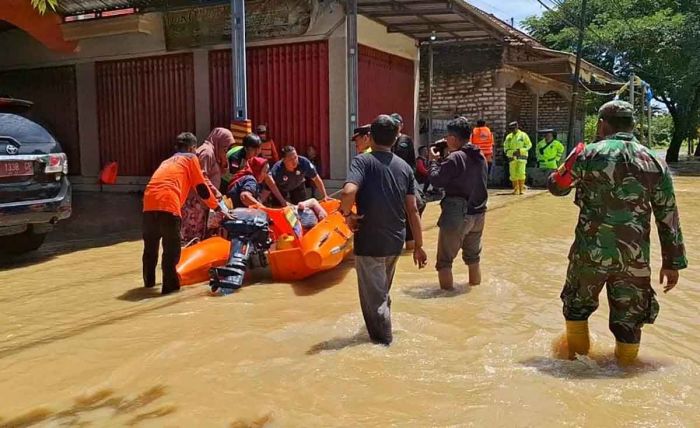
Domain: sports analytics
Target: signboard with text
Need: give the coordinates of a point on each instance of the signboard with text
(211, 25)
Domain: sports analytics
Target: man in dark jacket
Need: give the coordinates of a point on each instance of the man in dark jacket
(462, 175)
(403, 147)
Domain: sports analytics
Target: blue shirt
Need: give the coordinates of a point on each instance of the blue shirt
(288, 181)
(245, 184)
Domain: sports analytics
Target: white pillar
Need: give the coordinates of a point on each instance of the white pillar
(416, 101)
(338, 100)
(201, 94)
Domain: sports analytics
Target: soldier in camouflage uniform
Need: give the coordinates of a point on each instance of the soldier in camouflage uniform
(619, 183)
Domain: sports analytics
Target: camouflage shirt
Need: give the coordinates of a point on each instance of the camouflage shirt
(618, 184)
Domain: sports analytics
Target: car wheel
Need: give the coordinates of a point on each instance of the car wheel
(23, 243)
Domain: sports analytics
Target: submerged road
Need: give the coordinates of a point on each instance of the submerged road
(82, 344)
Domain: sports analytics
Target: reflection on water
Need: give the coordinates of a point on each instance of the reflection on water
(103, 401)
(79, 325)
(432, 292)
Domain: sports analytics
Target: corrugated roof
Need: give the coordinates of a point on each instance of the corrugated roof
(76, 7)
(458, 21)
(448, 19)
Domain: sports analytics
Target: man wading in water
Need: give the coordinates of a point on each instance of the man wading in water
(463, 175)
(382, 185)
(163, 199)
(618, 184)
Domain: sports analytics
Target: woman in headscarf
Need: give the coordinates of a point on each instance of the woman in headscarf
(244, 189)
(212, 158)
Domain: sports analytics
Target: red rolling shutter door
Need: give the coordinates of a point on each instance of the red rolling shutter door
(142, 104)
(287, 90)
(386, 85)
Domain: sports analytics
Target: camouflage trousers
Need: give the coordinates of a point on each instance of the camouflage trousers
(632, 300)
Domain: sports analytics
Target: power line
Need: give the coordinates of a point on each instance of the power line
(505, 14)
(601, 39)
(563, 18)
(604, 94)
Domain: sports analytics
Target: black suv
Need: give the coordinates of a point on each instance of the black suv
(34, 189)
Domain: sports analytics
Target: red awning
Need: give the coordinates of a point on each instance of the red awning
(44, 28)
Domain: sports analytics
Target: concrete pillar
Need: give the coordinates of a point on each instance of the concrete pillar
(201, 93)
(338, 100)
(90, 163)
(416, 101)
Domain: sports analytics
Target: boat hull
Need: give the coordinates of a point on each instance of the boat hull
(321, 248)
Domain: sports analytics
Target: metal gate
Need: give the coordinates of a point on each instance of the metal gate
(386, 85)
(53, 92)
(142, 104)
(287, 90)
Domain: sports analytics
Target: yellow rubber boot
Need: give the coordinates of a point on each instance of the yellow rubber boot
(577, 338)
(516, 187)
(522, 187)
(626, 353)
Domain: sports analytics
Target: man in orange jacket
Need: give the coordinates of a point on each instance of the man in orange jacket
(268, 148)
(483, 139)
(163, 198)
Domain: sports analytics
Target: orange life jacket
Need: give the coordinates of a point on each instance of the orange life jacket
(483, 138)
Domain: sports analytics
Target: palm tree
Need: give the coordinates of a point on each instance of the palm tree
(43, 5)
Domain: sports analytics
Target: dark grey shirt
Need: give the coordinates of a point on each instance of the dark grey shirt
(463, 174)
(384, 180)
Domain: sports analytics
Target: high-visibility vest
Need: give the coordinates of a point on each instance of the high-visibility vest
(549, 154)
(483, 138)
(226, 176)
(519, 142)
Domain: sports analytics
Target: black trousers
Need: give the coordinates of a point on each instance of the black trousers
(159, 225)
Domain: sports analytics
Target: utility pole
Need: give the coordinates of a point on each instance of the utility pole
(649, 116)
(241, 125)
(351, 35)
(577, 76)
(430, 93)
(642, 117)
(632, 77)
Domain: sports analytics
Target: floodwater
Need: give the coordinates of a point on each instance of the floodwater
(82, 345)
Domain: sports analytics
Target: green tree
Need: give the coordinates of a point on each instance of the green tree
(659, 40)
(43, 5)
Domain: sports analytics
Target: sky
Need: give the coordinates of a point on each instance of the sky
(506, 9)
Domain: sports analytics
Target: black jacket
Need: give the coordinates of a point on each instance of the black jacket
(404, 149)
(463, 174)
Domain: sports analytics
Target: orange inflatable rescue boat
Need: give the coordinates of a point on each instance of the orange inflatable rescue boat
(290, 252)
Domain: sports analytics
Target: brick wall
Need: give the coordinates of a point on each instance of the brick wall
(471, 95)
(554, 113)
(520, 106)
(464, 84)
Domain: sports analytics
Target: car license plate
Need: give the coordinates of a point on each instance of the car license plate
(16, 168)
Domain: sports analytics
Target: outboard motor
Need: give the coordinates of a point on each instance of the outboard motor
(249, 232)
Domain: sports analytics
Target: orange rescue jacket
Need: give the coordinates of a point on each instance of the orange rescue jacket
(268, 150)
(483, 138)
(172, 182)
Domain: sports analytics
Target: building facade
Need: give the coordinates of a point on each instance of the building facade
(136, 80)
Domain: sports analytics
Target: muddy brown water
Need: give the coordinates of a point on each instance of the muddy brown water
(81, 344)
